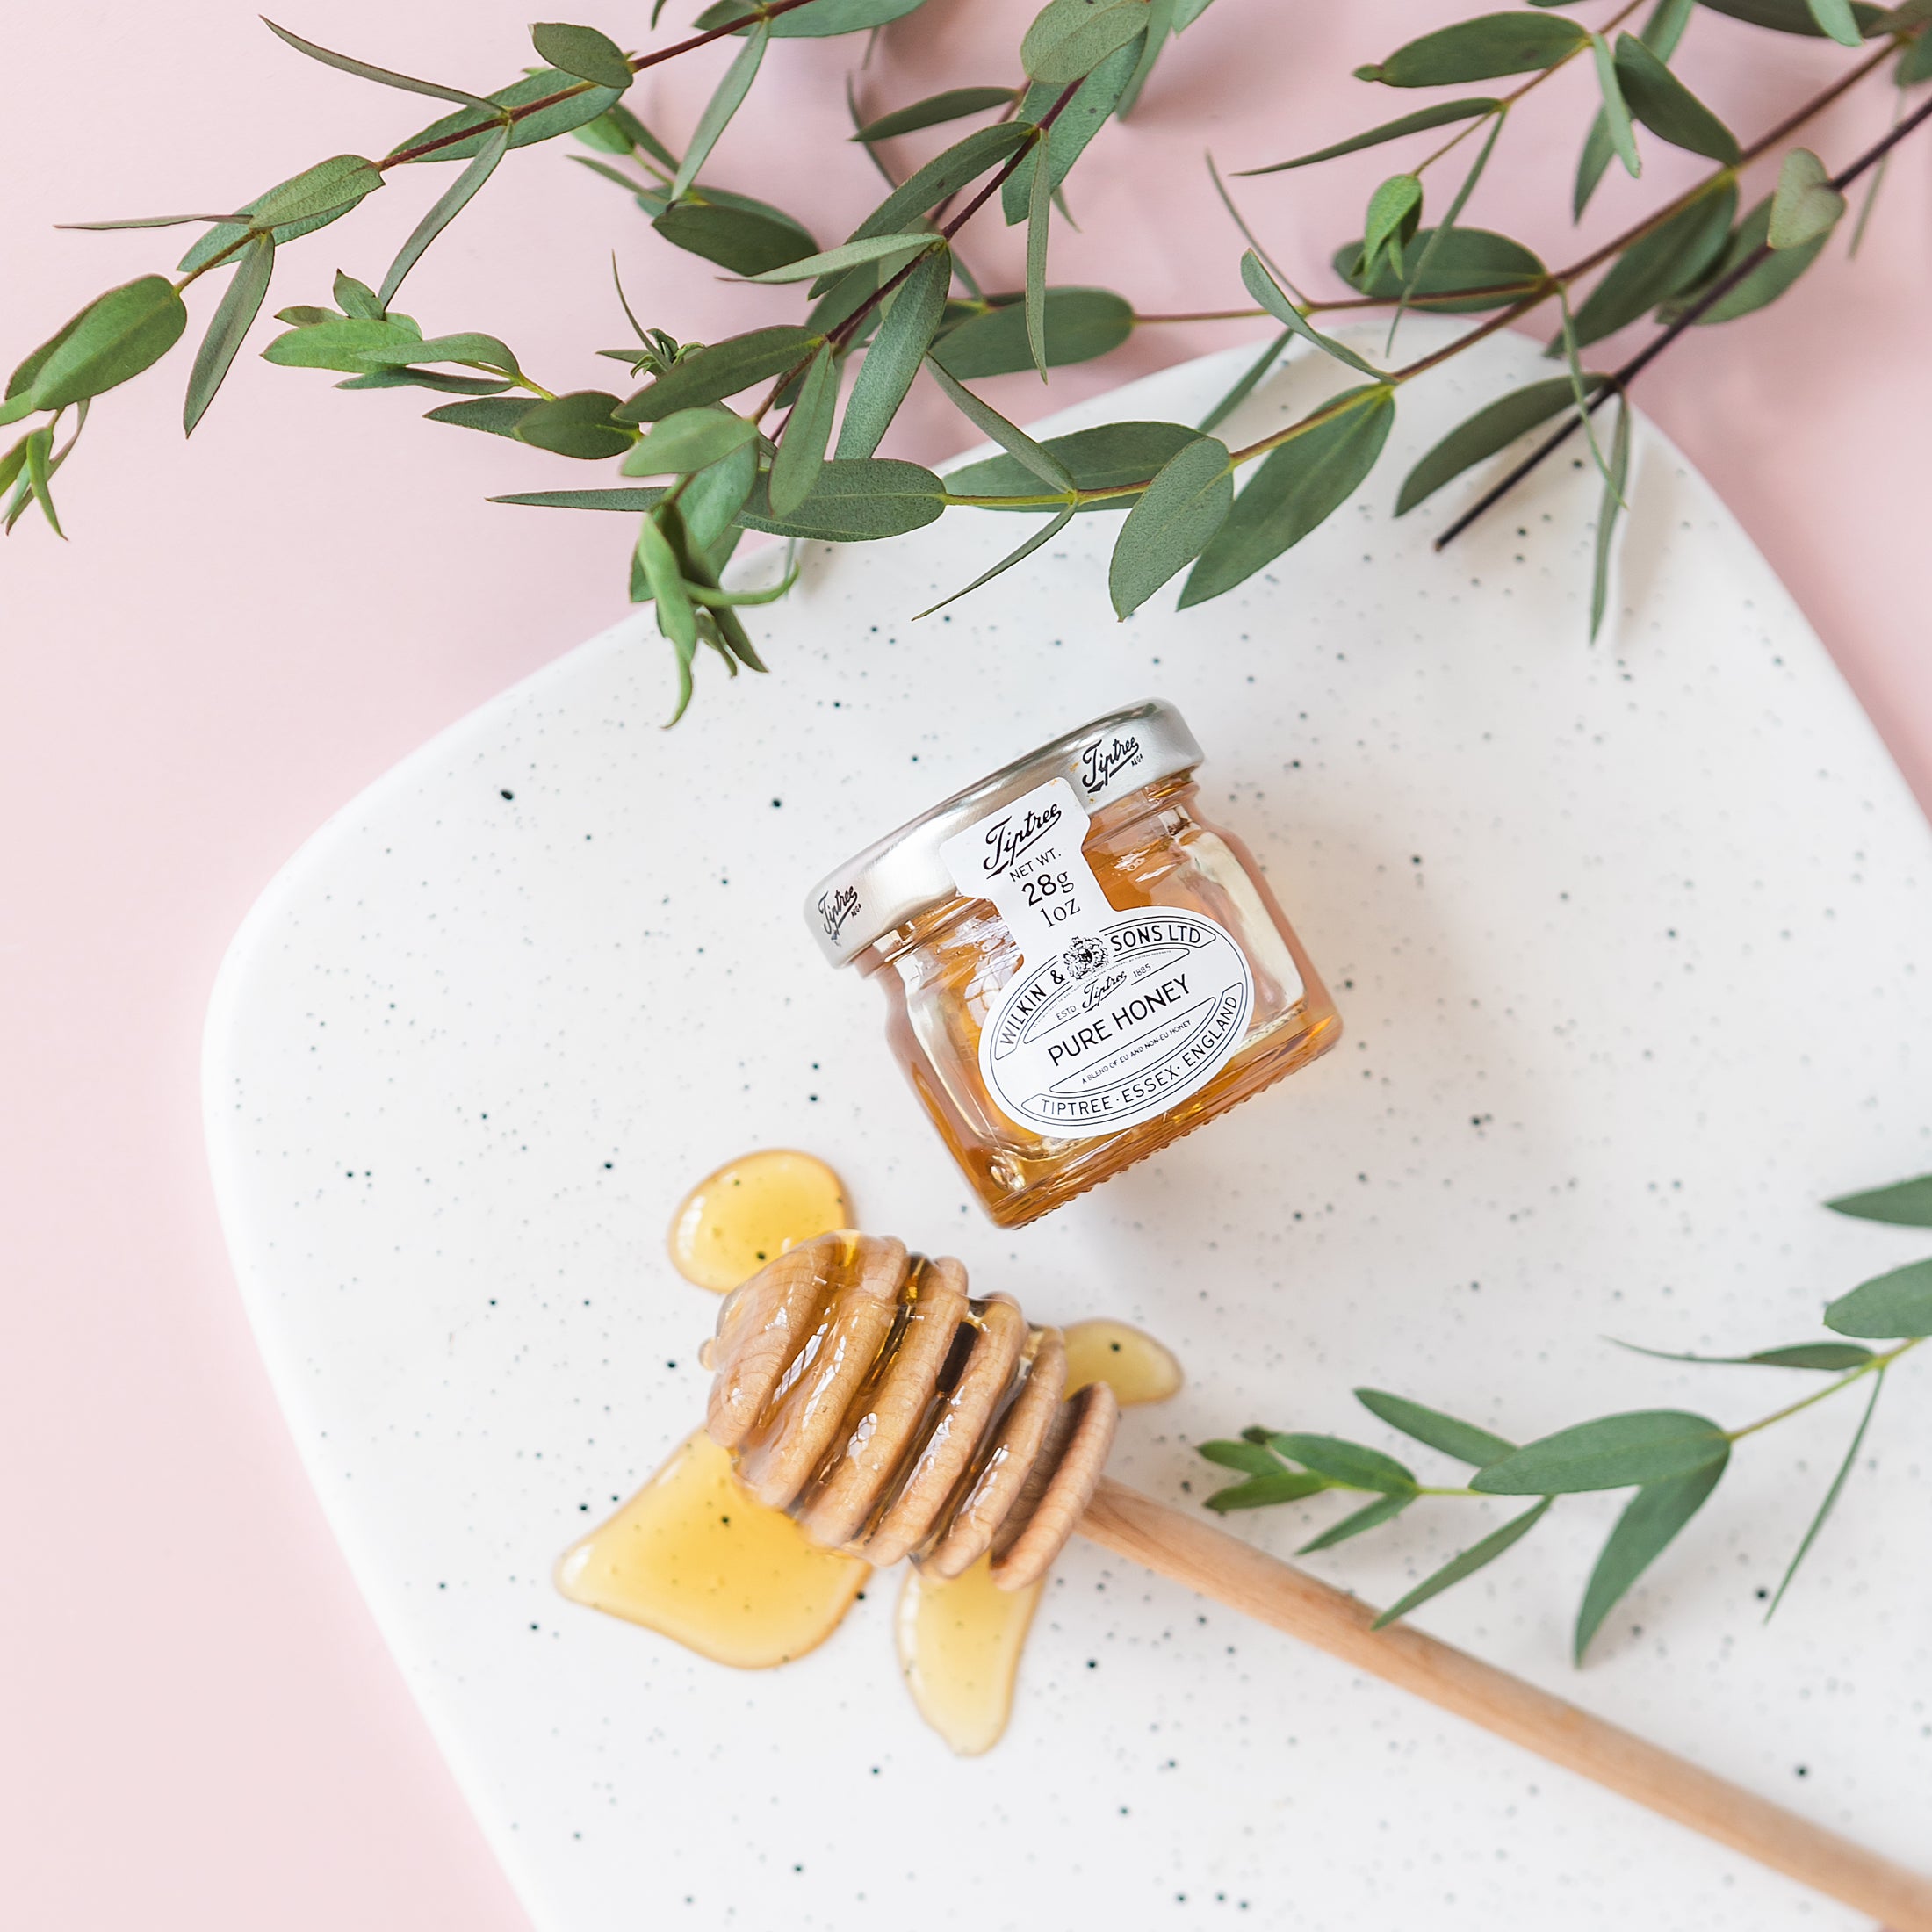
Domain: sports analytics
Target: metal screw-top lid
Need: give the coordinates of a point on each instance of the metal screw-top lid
(902, 875)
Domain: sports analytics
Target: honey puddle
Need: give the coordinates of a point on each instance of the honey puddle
(751, 1211)
(692, 1556)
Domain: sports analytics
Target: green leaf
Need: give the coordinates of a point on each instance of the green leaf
(1039, 221)
(1768, 280)
(1343, 1462)
(1590, 164)
(689, 440)
(1099, 95)
(330, 187)
(1831, 1495)
(1171, 522)
(1904, 1204)
(847, 255)
(582, 51)
(1246, 383)
(1888, 1308)
(1463, 1440)
(1045, 535)
(1789, 16)
(1608, 509)
(1669, 258)
(1068, 39)
(226, 233)
(712, 499)
(138, 221)
(1472, 1559)
(484, 350)
(112, 340)
(1916, 63)
(617, 131)
(449, 205)
(1369, 1517)
(945, 174)
(711, 374)
(808, 429)
(1105, 456)
(239, 303)
(1667, 107)
(40, 444)
(1835, 18)
(1079, 324)
(1820, 1355)
(820, 20)
(1298, 486)
(578, 106)
(358, 298)
(1806, 207)
(1160, 28)
(736, 232)
(1479, 50)
(1611, 1452)
(576, 425)
(1616, 112)
(1393, 209)
(1469, 259)
(1424, 117)
(1445, 230)
(1040, 461)
(342, 345)
(1492, 428)
(1273, 297)
(1250, 1457)
(1260, 1492)
(426, 378)
(385, 76)
(14, 460)
(725, 101)
(632, 501)
(855, 502)
(1651, 1519)
(499, 415)
(954, 104)
(905, 334)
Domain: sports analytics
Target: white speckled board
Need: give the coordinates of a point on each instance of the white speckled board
(1625, 940)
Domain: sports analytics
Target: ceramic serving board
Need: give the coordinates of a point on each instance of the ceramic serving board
(1625, 940)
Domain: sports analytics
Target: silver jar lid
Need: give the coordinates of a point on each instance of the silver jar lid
(902, 875)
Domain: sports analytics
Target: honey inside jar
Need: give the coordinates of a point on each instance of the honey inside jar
(1078, 967)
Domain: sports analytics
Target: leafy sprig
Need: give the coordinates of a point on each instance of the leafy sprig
(1671, 1459)
(894, 304)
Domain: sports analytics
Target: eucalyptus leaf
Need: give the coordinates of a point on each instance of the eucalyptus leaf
(1171, 522)
(1077, 323)
(1372, 1515)
(426, 378)
(893, 360)
(675, 616)
(712, 499)
(576, 425)
(1041, 461)
(358, 299)
(1667, 107)
(14, 460)
(1471, 1560)
(1669, 258)
(1789, 16)
(1611, 1452)
(1765, 283)
(343, 343)
(1480, 49)
(1904, 1204)
(857, 502)
(1017, 555)
(484, 349)
(448, 204)
(1297, 486)
(1888, 1308)
(1246, 383)
(736, 232)
(1393, 209)
(1340, 1461)
(330, 187)
(1835, 18)
(808, 429)
(687, 440)
(241, 303)
(1463, 1440)
(954, 104)
(385, 76)
(112, 340)
(632, 501)
(1105, 456)
(1099, 96)
(1250, 1457)
(1615, 110)
(711, 374)
(617, 131)
(945, 174)
(847, 255)
(1039, 220)
(1831, 1495)
(1440, 115)
(1806, 207)
(573, 104)
(1261, 1492)
(1650, 1520)
(726, 98)
(582, 51)
(1609, 508)
(822, 19)
(40, 444)
(1160, 29)
(497, 415)
(1469, 260)
(1493, 426)
(1815, 1355)
(1068, 39)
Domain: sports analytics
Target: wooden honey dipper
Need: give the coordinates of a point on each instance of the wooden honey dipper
(860, 1387)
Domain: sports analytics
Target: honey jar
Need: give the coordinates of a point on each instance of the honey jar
(1079, 966)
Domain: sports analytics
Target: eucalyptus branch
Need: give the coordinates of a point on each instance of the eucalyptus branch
(1672, 1460)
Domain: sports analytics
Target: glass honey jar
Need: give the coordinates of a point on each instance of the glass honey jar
(1079, 966)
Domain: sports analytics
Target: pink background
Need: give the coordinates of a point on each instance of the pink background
(200, 1727)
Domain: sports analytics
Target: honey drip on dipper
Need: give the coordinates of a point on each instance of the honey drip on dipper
(864, 1408)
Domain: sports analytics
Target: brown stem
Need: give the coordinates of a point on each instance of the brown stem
(1620, 380)
(766, 12)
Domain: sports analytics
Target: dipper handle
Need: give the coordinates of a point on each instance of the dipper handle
(1207, 1560)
